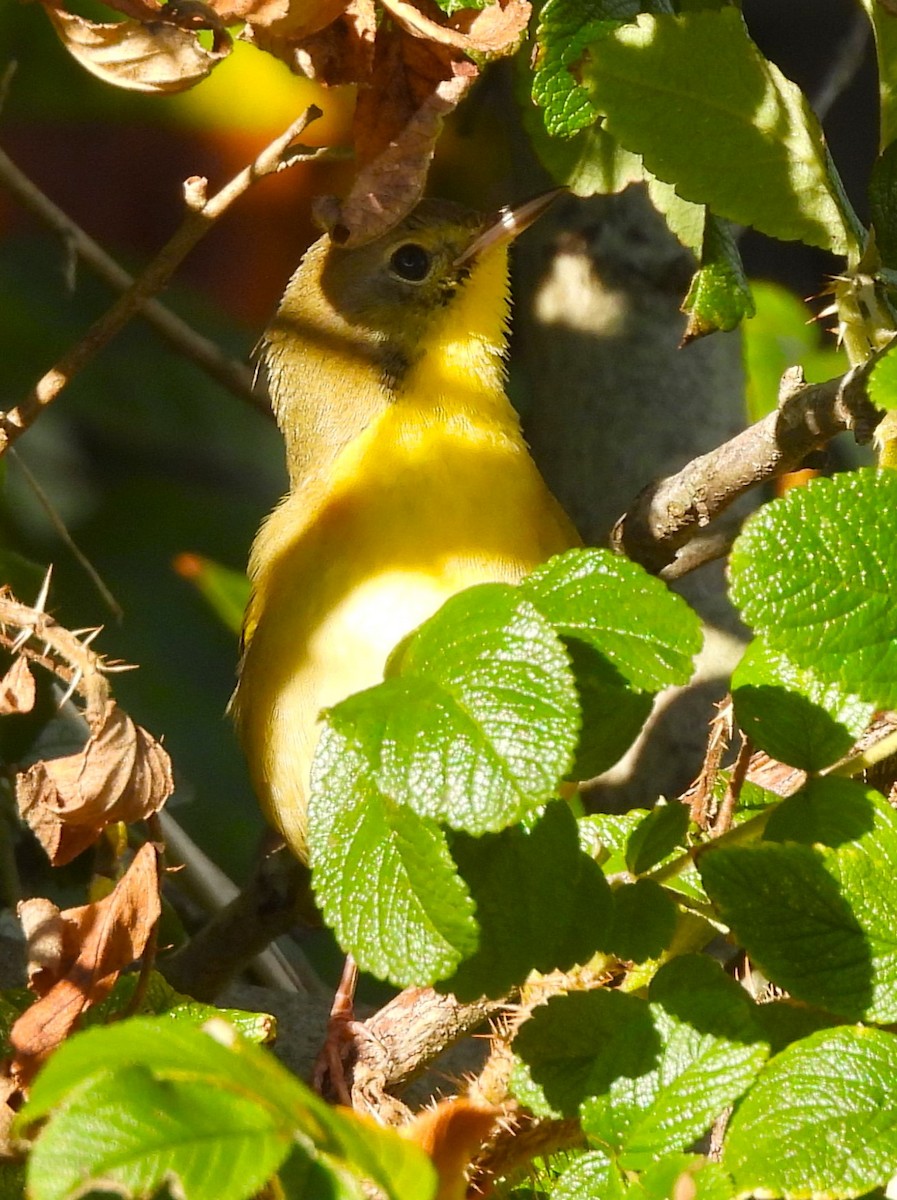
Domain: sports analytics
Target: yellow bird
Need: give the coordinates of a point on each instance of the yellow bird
(409, 476)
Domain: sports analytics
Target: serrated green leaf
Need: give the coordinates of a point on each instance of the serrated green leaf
(565, 29)
(612, 713)
(591, 163)
(604, 836)
(782, 334)
(480, 718)
(791, 713)
(183, 1131)
(678, 1174)
(593, 1176)
(885, 27)
(643, 922)
(707, 112)
(649, 1078)
(135, 1101)
(719, 296)
(710, 1052)
(785, 1021)
(819, 917)
(686, 221)
(538, 926)
(160, 997)
(830, 1100)
(614, 606)
(657, 835)
(574, 1046)
(815, 573)
(882, 385)
(383, 876)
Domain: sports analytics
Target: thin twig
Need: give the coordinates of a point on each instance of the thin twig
(66, 538)
(229, 372)
(670, 512)
(204, 212)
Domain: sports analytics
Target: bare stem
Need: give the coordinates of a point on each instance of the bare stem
(202, 214)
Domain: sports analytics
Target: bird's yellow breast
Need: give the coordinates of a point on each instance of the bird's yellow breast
(424, 503)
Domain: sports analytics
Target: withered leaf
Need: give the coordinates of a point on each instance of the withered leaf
(142, 56)
(398, 118)
(17, 689)
(340, 54)
(492, 31)
(121, 774)
(98, 941)
(285, 18)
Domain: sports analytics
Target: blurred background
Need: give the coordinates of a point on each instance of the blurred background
(146, 459)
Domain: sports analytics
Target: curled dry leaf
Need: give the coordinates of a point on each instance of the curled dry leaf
(97, 942)
(121, 774)
(398, 118)
(17, 689)
(343, 53)
(143, 56)
(492, 31)
(283, 18)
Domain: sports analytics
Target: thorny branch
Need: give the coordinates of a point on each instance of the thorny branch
(203, 213)
(671, 512)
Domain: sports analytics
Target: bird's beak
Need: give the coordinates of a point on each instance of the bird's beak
(508, 224)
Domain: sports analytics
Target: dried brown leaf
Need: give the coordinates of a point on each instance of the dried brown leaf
(44, 929)
(493, 31)
(121, 774)
(98, 941)
(340, 54)
(17, 690)
(285, 18)
(415, 84)
(144, 56)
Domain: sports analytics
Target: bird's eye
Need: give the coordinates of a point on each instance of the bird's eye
(411, 262)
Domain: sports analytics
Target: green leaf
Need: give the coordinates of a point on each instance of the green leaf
(565, 29)
(526, 921)
(644, 921)
(686, 221)
(882, 385)
(819, 917)
(791, 713)
(649, 1077)
(480, 718)
(657, 835)
(576, 1045)
(830, 1100)
(160, 997)
(710, 1052)
(132, 1132)
(627, 636)
(678, 1174)
(383, 876)
(616, 608)
(590, 163)
(815, 573)
(225, 591)
(134, 1103)
(605, 836)
(885, 25)
(719, 296)
(593, 1176)
(783, 334)
(708, 113)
